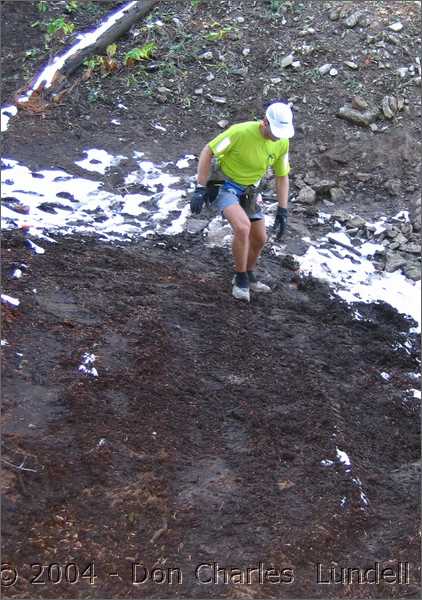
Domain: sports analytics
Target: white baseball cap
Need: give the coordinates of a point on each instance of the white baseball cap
(280, 118)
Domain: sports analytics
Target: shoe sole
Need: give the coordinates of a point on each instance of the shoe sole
(259, 290)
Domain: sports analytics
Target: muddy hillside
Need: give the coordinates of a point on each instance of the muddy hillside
(159, 438)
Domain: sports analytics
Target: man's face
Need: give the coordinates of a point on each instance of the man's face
(266, 129)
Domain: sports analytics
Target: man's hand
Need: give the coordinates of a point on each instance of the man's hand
(280, 223)
(198, 199)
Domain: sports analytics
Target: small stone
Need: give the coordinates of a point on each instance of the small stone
(207, 56)
(296, 64)
(359, 103)
(396, 26)
(351, 64)
(411, 248)
(335, 14)
(386, 108)
(246, 51)
(307, 195)
(364, 177)
(373, 127)
(323, 185)
(356, 221)
(353, 19)
(412, 271)
(210, 77)
(223, 123)
(275, 80)
(286, 61)
(325, 68)
(393, 186)
(403, 71)
(337, 194)
(196, 225)
(394, 262)
(199, 91)
(240, 19)
(289, 262)
(333, 72)
(217, 99)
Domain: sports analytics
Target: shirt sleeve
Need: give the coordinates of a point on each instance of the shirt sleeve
(281, 165)
(224, 142)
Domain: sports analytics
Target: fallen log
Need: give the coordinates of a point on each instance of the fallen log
(55, 74)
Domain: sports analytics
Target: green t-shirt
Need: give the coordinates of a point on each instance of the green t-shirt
(244, 155)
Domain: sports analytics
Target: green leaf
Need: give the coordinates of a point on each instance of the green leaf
(144, 53)
(111, 50)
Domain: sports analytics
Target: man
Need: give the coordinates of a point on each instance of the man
(244, 153)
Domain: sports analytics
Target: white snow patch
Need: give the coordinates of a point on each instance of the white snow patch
(6, 114)
(87, 365)
(9, 300)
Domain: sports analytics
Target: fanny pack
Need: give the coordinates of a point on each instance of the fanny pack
(247, 196)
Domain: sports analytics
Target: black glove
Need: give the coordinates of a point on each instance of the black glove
(198, 199)
(280, 223)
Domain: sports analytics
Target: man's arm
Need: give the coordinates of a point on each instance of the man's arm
(282, 190)
(204, 165)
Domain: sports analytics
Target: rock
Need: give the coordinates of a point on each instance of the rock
(335, 14)
(307, 195)
(223, 123)
(240, 71)
(394, 262)
(275, 80)
(406, 229)
(388, 107)
(196, 225)
(400, 239)
(356, 221)
(396, 26)
(391, 232)
(412, 270)
(323, 185)
(333, 72)
(364, 177)
(299, 183)
(393, 186)
(359, 103)
(403, 71)
(358, 117)
(353, 19)
(351, 64)
(216, 99)
(296, 64)
(373, 127)
(207, 56)
(199, 91)
(415, 215)
(246, 51)
(289, 262)
(286, 61)
(341, 215)
(325, 68)
(411, 248)
(210, 77)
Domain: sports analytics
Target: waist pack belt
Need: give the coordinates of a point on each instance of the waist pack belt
(247, 196)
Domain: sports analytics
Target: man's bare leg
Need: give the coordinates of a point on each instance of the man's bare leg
(241, 226)
(257, 239)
